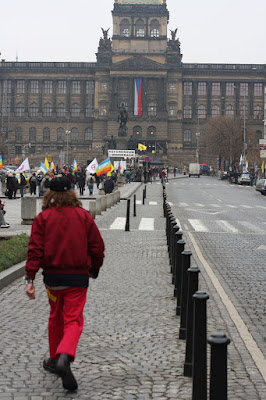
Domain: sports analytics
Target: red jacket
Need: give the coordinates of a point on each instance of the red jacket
(64, 241)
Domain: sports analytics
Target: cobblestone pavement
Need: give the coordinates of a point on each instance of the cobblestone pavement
(129, 348)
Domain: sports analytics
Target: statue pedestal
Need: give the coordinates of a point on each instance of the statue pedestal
(122, 132)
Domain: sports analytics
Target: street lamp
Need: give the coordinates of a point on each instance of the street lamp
(197, 149)
(67, 135)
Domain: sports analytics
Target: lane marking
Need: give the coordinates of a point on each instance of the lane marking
(119, 223)
(183, 204)
(216, 205)
(200, 205)
(198, 225)
(153, 203)
(250, 226)
(146, 224)
(227, 226)
(244, 333)
(138, 202)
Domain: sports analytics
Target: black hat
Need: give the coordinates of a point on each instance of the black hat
(60, 184)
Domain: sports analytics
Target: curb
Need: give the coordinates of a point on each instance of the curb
(11, 274)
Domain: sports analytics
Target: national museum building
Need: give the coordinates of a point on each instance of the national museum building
(72, 109)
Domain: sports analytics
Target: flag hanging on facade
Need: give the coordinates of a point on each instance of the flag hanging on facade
(43, 168)
(142, 147)
(91, 168)
(25, 166)
(1, 162)
(138, 96)
(104, 167)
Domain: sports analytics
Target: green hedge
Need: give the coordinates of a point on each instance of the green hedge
(13, 250)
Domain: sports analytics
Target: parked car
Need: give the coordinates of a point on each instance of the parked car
(204, 169)
(244, 179)
(261, 186)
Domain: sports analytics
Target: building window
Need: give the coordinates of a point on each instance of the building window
(62, 87)
(20, 87)
(202, 88)
(187, 136)
(140, 28)
(90, 87)
(74, 134)
(152, 109)
(48, 87)
(89, 111)
(18, 150)
(244, 111)
(75, 110)
(230, 89)
(18, 134)
(32, 135)
(20, 110)
(257, 89)
(7, 86)
(155, 28)
(103, 109)
(215, 110)
(172, 110)
(243, 89)
(46, 134)
(257, 112)
(46, 149)
(34, 87)
(76, 87)
(6, 108)
(172, 87)
(188, 88)
(137, 131)
(187, 112)
(151, 131)
(259, 135)
(60, 134)
(216, 89)
(61, 111)
(103, 87)
(33, 110)
(229, 110)
(125, 28)
(202, 111)
(88, 134)
(47, 110)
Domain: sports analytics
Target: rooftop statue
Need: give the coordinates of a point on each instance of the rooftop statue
(105, 33)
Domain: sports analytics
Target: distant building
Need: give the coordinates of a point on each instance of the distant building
(70, 110)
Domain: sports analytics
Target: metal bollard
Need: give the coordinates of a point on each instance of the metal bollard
(143, 197)
(171, 219)
(218, 374)
(199, 352)
(134, 206)
(145, 190)
(178, 236)
(193, 283)
(186, 255)
(127, 221)
(175, 228)
(180, 247)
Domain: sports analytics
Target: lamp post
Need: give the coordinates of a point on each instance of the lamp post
(67, 135)
(244, 150)
(197, 149)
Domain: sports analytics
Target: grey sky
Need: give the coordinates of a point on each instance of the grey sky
(218, 31)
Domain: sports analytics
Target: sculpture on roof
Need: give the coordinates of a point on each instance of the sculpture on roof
(173, 34)
(105, 33)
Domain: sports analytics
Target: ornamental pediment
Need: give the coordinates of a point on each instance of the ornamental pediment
(138, 63)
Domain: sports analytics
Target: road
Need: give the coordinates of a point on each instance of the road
(225, 227)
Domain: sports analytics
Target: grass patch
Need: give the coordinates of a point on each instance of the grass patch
(13, 250)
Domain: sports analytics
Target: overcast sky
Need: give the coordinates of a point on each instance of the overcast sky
(210, 31)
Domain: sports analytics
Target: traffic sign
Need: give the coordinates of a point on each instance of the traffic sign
(147, 159)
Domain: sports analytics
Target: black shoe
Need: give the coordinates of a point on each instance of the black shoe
(63, 369)
(50, 364)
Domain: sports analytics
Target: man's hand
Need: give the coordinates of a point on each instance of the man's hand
(30, 291)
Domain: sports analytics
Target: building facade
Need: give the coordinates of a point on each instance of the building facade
(71, 110)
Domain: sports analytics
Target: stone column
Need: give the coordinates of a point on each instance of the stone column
(28, 210)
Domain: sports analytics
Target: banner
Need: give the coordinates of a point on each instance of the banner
(91, 168)
(142, 147)
(25, 166)
(1, 162)
(138, 96)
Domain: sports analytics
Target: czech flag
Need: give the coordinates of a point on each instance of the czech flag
(138, 96)
(1, 162)
(104, 167)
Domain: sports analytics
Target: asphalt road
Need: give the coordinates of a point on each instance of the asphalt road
(225, 226)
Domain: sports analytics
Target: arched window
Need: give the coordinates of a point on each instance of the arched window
(60, 134)
(47, 110)
(152, 109)
(125, 28)
(257, 112)
(74, 134)
(229, 110)
(140, 28)
(88, 134)
(33, 110)
(20, 110)
(244, 111)
(75, 110)
(61, 110)
(137, 131)
(32, 135)
(172, 109)
(215, 110)
(187, 136)
(151, 131)
(103, 109)
(46, 134)
(18, 133)
(187, 112)
(155, 26)
(89, 111)
(202, 111)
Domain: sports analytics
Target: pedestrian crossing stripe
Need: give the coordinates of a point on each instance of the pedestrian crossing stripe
(200, 205)
(151, 203)
(146, 224)
(226, 226)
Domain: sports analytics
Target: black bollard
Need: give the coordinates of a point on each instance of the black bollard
(145, 190)
(134, 206)
(171, 222)
(143, 197)
(218, 374)
(175, 228)
(186, 255)
(180, 246)
(127, 221)
(177, 237)
(199, 352)
(193, 283)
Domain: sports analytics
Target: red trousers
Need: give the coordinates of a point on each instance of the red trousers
(66, 320)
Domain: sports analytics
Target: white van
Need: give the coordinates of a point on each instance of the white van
(194, 170)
